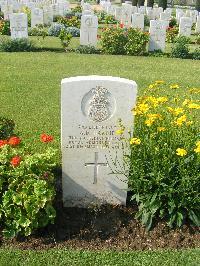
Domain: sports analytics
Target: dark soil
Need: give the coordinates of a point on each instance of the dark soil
(106, 228)
(110, 227)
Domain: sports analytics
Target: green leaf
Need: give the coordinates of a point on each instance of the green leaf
(24, 222)
(194, 218)
(9, 233)
(179, 219)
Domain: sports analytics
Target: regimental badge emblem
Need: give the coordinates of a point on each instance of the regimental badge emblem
(98, 104)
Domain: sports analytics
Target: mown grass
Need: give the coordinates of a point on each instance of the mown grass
(105, 258)
(30, 82)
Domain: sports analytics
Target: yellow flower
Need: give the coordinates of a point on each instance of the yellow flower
(119, 131)
(151, 86)
(159, 82)
(197, 149)
(162, 99)
(149, 122)
(161, 129)
(175, 111)
(154, 116)
(189, 123)
(174, 86)
(186, 101)
(135, 141)
(140, 109)
(180, 120)
(181, 152)
(193, 106)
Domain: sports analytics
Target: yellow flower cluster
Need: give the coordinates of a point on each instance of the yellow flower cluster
(135, 141)
(152, 118)
(181, 152)
(197, 149)
(174, 86)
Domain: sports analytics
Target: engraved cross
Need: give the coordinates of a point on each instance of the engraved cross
(96, 165)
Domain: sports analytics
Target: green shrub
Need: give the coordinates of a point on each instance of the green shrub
(171, 34)
(197, 6)
(165, 155)
(6, 128)
(162, 3)
(26, 187)
(38, 30)
(70, 22)
(196, 54)
(87, 49)
(137, 40)
(16, 45)
(75, 32)
(113, 40)
(4, 27)
(101, 17)
(65, 38)
(180, 48)
(109, 19)
(197, 39)
(172, 23)
(77, 9)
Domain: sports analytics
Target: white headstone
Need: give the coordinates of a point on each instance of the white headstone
(197, 28)
(157, 35)
(126, 15)
(185, 26)
(37, 17)
(19, 25)
(118, 12)
(141, 10)
(138, 21)
(90, 109)
(88, 31)
(48, 15)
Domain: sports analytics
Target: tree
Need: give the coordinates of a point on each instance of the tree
(150, 3)
(140, 3)
(197, 5)
(163, 4)
(134, 2)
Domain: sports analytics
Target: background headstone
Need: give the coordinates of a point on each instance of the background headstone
(88, 31)
(157, 33)
(19, 25)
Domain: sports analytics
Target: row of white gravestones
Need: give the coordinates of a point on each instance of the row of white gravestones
(19, 25)
(185, 26)
(197, 28)
(90, 109)
(88, 30)
(157, 33)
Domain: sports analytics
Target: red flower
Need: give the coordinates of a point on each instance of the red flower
(15, 161)
(46, 138)
(3, 142)
(13, 141)
(121, 25)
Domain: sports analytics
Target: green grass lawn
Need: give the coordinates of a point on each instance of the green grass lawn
(105, 258)
(30, 94)
(30, 82)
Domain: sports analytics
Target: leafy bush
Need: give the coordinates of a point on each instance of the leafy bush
(146, 21)
(16, 45)
(87, 49)
(26, 187)
(196, 54)
(4, 27)
(6, 127)
(137, 41)
(65, 38)
(180, 47)
(38, 30)
(165, 155)
(101, 17)
(172, 23)
(70, 22)
(110, 19)
(113, 41)
(27, 11)
(75, 32)
(171, 34)
(55, 29)
(77, 9)
(197, 39)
